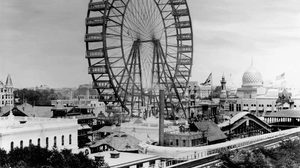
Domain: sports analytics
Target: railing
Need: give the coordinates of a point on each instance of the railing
(183, 24)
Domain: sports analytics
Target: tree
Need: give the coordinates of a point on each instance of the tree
(71, 159)
(37, 157)
(286, 155)
(36, 97)
(3, 157)
(57, 160)
(85, 161)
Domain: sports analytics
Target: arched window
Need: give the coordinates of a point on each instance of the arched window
(54, 144)
(30, 142)
(62, 140)
(70, 139)
(39, 142)
(11, 145)
(21, 144)
(47, 142)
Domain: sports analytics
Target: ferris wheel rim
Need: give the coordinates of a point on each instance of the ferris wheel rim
(112, 76)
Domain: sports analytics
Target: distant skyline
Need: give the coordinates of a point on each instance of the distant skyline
(41, 42)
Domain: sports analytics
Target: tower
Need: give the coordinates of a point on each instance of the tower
(8, 82)
(223, 83)
(223, 94)
(8, 91)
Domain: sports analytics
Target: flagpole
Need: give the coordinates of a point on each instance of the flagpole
(211, 86)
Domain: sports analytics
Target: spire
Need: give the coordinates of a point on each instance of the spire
(8, 82)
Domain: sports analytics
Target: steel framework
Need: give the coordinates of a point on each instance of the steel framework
(134, 47)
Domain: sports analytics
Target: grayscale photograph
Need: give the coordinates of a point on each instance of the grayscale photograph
(149, 84)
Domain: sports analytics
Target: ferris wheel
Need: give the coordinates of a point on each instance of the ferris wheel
(134, 47)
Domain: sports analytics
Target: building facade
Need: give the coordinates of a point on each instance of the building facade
(6, 92)
(252, 96)
(45, 132)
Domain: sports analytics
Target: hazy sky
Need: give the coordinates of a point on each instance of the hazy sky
(41, 41)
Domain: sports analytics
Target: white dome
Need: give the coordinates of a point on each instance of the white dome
(252, 78)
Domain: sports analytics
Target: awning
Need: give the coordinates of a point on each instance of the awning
(260, 109)
(253, 109)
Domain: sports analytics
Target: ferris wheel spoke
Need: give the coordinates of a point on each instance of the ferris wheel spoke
(143, 43)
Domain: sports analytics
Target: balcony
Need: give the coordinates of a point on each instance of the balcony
(185, 62)
(187, 36)
(94, 21)
(96, 53)
(180, 12)
(97, 6)
(97, 70)
(93, 37)
(102, 85)
(177, 2)
(183, 24)
(185, 49)
(107, 97)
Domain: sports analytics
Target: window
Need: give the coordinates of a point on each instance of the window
(62, 140)
(239, 107)
(11, 145)
(47, 142)
(54, 144)
(39, 142)
(70, 139)
(30, 142)
(21, 144)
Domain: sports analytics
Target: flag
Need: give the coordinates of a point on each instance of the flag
(208, 80)
(280, 77)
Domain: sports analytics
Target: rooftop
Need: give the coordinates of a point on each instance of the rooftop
(235, 118)
(125, 159)
(214, 133)
(119, 141)
(12, 124)
(29, 110)
(290, 113)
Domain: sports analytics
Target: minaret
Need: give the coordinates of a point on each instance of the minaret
(223, 83)
(223, 95)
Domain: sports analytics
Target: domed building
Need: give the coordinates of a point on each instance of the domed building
(252, 96)
(252, 78)
(252, 85)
